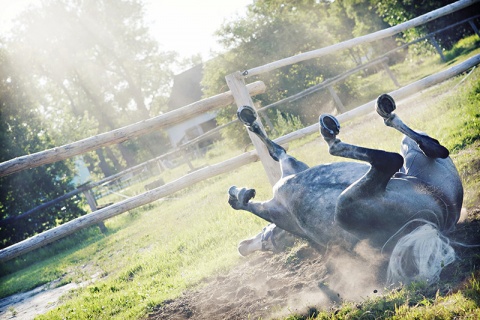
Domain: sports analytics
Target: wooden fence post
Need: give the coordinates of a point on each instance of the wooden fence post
(474, 27)
(390, 74)
(437, 47)
(338, 102)
(242, 98)
(93, 206)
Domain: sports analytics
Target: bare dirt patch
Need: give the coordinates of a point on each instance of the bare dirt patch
(271, 285)
(29, 304)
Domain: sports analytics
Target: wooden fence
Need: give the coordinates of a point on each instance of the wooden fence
(241, 94)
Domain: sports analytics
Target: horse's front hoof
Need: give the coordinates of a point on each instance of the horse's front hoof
(329, 126)
(239, 198)
(385, 105)
(247, 115)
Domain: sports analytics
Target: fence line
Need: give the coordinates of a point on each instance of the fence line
(90, 219)
(214, 170)
(399, 94)
(326, 83)
(241, 95)
(123, 134)
(427, 17)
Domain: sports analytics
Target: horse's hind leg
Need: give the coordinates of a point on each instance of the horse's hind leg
(360, 207)
(288, 164)
(384, 164)
(426, 160)
(430, 147)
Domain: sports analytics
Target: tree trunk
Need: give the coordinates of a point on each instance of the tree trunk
(103, 163)
(127, 155)
(113, 158)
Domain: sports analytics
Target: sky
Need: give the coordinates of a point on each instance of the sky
(184, 26)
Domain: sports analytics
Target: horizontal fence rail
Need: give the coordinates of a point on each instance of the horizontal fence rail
(123, 134)
(93, 218)
(399, 94)
(361, 40)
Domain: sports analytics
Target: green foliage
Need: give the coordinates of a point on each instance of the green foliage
(106, 68)
(286, 123)
(273, 30)
(462, 47)
(395, 12)
(22, 132)
(142, 262)
(194, 235)
(140, 266)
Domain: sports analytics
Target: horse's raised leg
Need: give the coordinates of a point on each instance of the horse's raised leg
(271, 238)
(384, 164)
(427, 160)
(288, 164)
(361, 208)
(430, 147)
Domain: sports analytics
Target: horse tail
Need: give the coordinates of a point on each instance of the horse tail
(420, 255)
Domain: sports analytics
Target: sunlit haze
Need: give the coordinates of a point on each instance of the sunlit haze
(186, 26)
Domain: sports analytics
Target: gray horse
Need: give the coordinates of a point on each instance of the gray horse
(405, 204)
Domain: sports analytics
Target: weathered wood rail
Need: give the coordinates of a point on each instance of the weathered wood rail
(236, 81)
(90, 219)
(398, 95)
(123, 134)
(415, 22)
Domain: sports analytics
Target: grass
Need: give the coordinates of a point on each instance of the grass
(149, 256)
(409, 302)
(154, 253)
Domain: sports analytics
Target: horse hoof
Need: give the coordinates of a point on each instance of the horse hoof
(247, 115)
(385, 105)
(240, 197)
(329, 126)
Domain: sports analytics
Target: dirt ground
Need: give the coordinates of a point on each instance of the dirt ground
(27, 305)
(302, 280)
(266, 285)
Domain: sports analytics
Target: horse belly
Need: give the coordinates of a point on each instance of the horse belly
(311, 197)
(410, 199)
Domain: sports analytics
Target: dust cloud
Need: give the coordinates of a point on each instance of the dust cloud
(269, 286)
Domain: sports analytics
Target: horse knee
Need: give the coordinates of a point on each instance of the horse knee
(388, 162)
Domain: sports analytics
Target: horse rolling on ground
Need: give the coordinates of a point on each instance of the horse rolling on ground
(404, 204)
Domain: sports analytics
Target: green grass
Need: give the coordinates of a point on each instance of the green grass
(412, 69)
(149, 256)
(154, 253)
(408, 302)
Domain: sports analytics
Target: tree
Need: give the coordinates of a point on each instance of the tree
(93, 59)
(271, 30)
(22, 132)
(395, 12)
